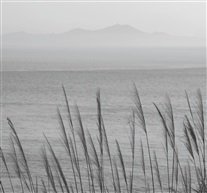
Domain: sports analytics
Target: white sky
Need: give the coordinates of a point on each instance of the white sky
(173, 18)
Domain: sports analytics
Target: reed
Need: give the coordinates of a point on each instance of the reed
(132, 144)
(107, 147)
(81, 134)
(141, 119)
(94, 167)
(143, 166)
(67, 146)
(100, 130)
(2, 188)
(72, 141)
(25, 173)
(118, 184)
(49, 172)
(157, 170)
(7, 170)
(121, 159)
(173, 146)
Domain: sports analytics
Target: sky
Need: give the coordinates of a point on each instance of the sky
(57, 17)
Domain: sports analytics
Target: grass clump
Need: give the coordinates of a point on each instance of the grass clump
(93, 167)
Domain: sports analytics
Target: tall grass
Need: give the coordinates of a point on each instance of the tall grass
(141, 119)
(93, 166)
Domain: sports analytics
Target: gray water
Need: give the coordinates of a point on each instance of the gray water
(30, 100)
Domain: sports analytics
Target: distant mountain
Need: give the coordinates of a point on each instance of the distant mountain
(121, 29)
(116, 35)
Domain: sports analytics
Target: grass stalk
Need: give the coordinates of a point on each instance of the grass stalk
(2, 188)
(71, 126)
(141, 118)
(7, 169)
(48, 170)
(121, 159)
(67, 146)
(106, 144)
(171, 125)
(118, 185)
(99, 117)
(201, 126)
(157, 170)
(81, 134)
(143, 165)
(172, 144)
(62, 175)
(44, 189)
(16, 166)
(96, 161)
(132, 143)
(22, 154)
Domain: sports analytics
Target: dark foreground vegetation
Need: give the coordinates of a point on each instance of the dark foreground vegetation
(99, 170)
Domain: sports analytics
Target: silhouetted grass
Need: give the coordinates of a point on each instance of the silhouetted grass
(95, 169)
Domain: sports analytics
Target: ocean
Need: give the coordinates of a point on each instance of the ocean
(31, 98)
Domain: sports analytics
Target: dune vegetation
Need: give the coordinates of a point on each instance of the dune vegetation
(95, 168)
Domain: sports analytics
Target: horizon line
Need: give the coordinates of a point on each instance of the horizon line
(107, 69)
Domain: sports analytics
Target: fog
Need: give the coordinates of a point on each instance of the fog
(103, 58)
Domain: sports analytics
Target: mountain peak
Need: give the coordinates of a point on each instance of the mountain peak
(76, 31)
(118, 28)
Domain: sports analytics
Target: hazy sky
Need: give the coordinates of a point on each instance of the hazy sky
(174, 18)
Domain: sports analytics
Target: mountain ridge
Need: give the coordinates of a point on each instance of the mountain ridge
(111, 28)
(115, 35)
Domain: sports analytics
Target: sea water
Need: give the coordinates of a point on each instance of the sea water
(30, 100)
